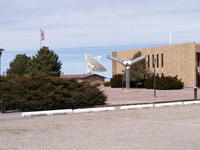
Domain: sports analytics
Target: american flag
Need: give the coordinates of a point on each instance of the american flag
(42, 37)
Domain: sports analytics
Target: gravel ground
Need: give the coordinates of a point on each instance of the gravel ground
(167, 128)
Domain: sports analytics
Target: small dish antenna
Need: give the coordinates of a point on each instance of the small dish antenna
(93, 64)
(127, 65)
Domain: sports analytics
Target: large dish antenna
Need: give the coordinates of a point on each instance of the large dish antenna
(93, 64)
(127, 65)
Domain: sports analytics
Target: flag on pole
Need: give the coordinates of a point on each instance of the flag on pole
(42, 36)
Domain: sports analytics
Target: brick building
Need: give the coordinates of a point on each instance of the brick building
(182, 60)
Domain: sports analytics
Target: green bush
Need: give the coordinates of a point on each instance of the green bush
(164, 83)
(107, 83)
(137, 84)
(116, 81)
(41, 92)
(96, 84)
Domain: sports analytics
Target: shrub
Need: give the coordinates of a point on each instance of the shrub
(107, 83)
(96, 84)
(164, 83)
(116, 81)
(41, 92)
(137, 84)
(139, 71)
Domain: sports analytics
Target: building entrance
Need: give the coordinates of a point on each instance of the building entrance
(198, 69)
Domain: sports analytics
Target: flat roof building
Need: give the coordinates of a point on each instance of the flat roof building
(92, 78)
(182, 60)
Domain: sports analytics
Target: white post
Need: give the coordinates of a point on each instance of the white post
(170, 38)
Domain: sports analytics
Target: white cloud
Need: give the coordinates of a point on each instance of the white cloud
(75, 23)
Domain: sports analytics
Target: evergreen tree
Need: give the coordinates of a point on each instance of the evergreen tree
(139, 71)
(19, 65)
(45, 61)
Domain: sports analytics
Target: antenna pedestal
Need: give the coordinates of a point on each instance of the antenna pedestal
(127, 78)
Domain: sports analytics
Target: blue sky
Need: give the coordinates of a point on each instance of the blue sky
(106, 24)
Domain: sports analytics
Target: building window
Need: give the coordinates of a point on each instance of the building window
(198, 59)
(158, 74)
(162, 62)
(148, 61)
(152, 60)
(157, 60)
(162, 75)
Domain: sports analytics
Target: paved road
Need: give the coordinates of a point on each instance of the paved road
(9, 116)
(167, 128)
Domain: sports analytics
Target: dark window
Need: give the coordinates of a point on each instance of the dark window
(162, 62)
(157, 60)
(152, 60)
(162, 75)
(148, 61)
(158, 74)
(198, 59)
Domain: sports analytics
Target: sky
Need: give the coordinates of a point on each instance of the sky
(75, 27)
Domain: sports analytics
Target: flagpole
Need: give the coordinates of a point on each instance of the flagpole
(40, 39)
(40, 43)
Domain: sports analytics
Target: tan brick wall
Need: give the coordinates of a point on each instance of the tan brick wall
(178, 60)
(198, 48)
(114, 65)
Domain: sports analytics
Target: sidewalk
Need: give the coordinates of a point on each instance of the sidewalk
(117, 96)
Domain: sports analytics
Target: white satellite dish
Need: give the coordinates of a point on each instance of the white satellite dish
(93, 65)
(127, 65)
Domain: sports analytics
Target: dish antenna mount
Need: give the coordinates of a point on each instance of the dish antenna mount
(93, 64)
(127, 66)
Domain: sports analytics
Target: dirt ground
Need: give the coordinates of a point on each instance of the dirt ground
(167, 128)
